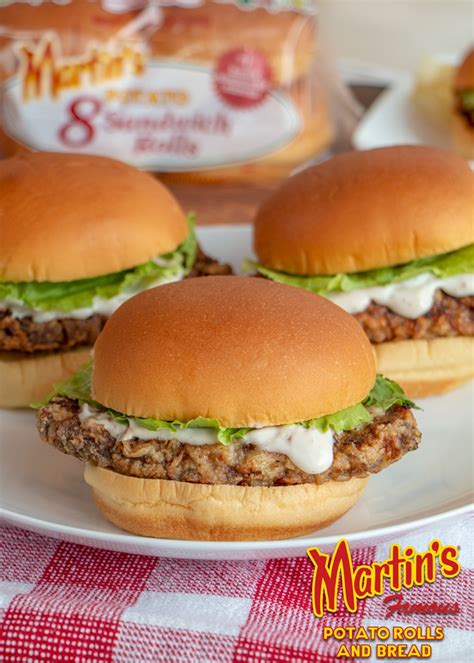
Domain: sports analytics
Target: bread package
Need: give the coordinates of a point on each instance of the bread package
(197, 90)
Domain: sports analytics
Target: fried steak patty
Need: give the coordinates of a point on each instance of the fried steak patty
(206, 266)
(27, 336)
(449, 316)
(358, 453)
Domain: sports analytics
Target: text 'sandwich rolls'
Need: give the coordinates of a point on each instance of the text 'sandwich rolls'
(386, 234)
(229, 409)
(79, 235)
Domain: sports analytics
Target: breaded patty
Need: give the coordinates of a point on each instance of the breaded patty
(357, 453)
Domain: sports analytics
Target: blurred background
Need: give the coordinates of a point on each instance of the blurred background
(223, 99)
(395, 34)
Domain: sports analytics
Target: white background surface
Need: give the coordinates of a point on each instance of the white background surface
(395, 34)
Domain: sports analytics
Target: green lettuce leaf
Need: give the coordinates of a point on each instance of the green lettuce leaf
(384, 394)
(78, 388)
(467, 99)
(346, 419)
(443, 265)
(69, 295)
(224, 435)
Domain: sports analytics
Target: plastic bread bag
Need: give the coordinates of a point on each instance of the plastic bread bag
(195, 90)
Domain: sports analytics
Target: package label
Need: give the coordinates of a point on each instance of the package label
(156, 114)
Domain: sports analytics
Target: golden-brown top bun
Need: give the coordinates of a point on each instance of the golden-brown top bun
(65, 217)
(464, 78)
(364, 210)
(204, 33)
(243, 350)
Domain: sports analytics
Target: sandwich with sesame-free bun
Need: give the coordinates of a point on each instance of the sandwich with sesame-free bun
(79, 235)
(387, 234)
(229, 408)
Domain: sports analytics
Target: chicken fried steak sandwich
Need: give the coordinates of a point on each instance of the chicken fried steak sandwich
(79, 235)
(386, 234)
(229, 408)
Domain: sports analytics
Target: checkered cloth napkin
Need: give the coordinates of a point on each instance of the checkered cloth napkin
(65, 602)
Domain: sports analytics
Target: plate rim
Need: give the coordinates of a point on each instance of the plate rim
(400, 88)
(219, 548)
(400, 83)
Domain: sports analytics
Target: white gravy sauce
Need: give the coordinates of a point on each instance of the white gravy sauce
(307, 448)
(410, 299)
(99, 305)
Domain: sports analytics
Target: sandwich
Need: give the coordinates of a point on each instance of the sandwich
(79, 235)
(387, 234)
(463, 118)
(229, 408)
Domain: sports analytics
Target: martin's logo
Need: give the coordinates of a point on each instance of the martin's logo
(45, 72)
(335, 575)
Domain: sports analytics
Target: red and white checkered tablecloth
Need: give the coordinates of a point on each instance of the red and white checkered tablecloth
(65, 602)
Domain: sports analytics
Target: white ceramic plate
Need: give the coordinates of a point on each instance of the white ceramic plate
(393, 119)
(43, 490)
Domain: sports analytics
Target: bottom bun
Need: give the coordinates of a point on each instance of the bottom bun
(180, 510)
(427, 367)
(462, 136)
(25, 379)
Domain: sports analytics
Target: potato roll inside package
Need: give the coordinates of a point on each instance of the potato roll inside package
(194, 90)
